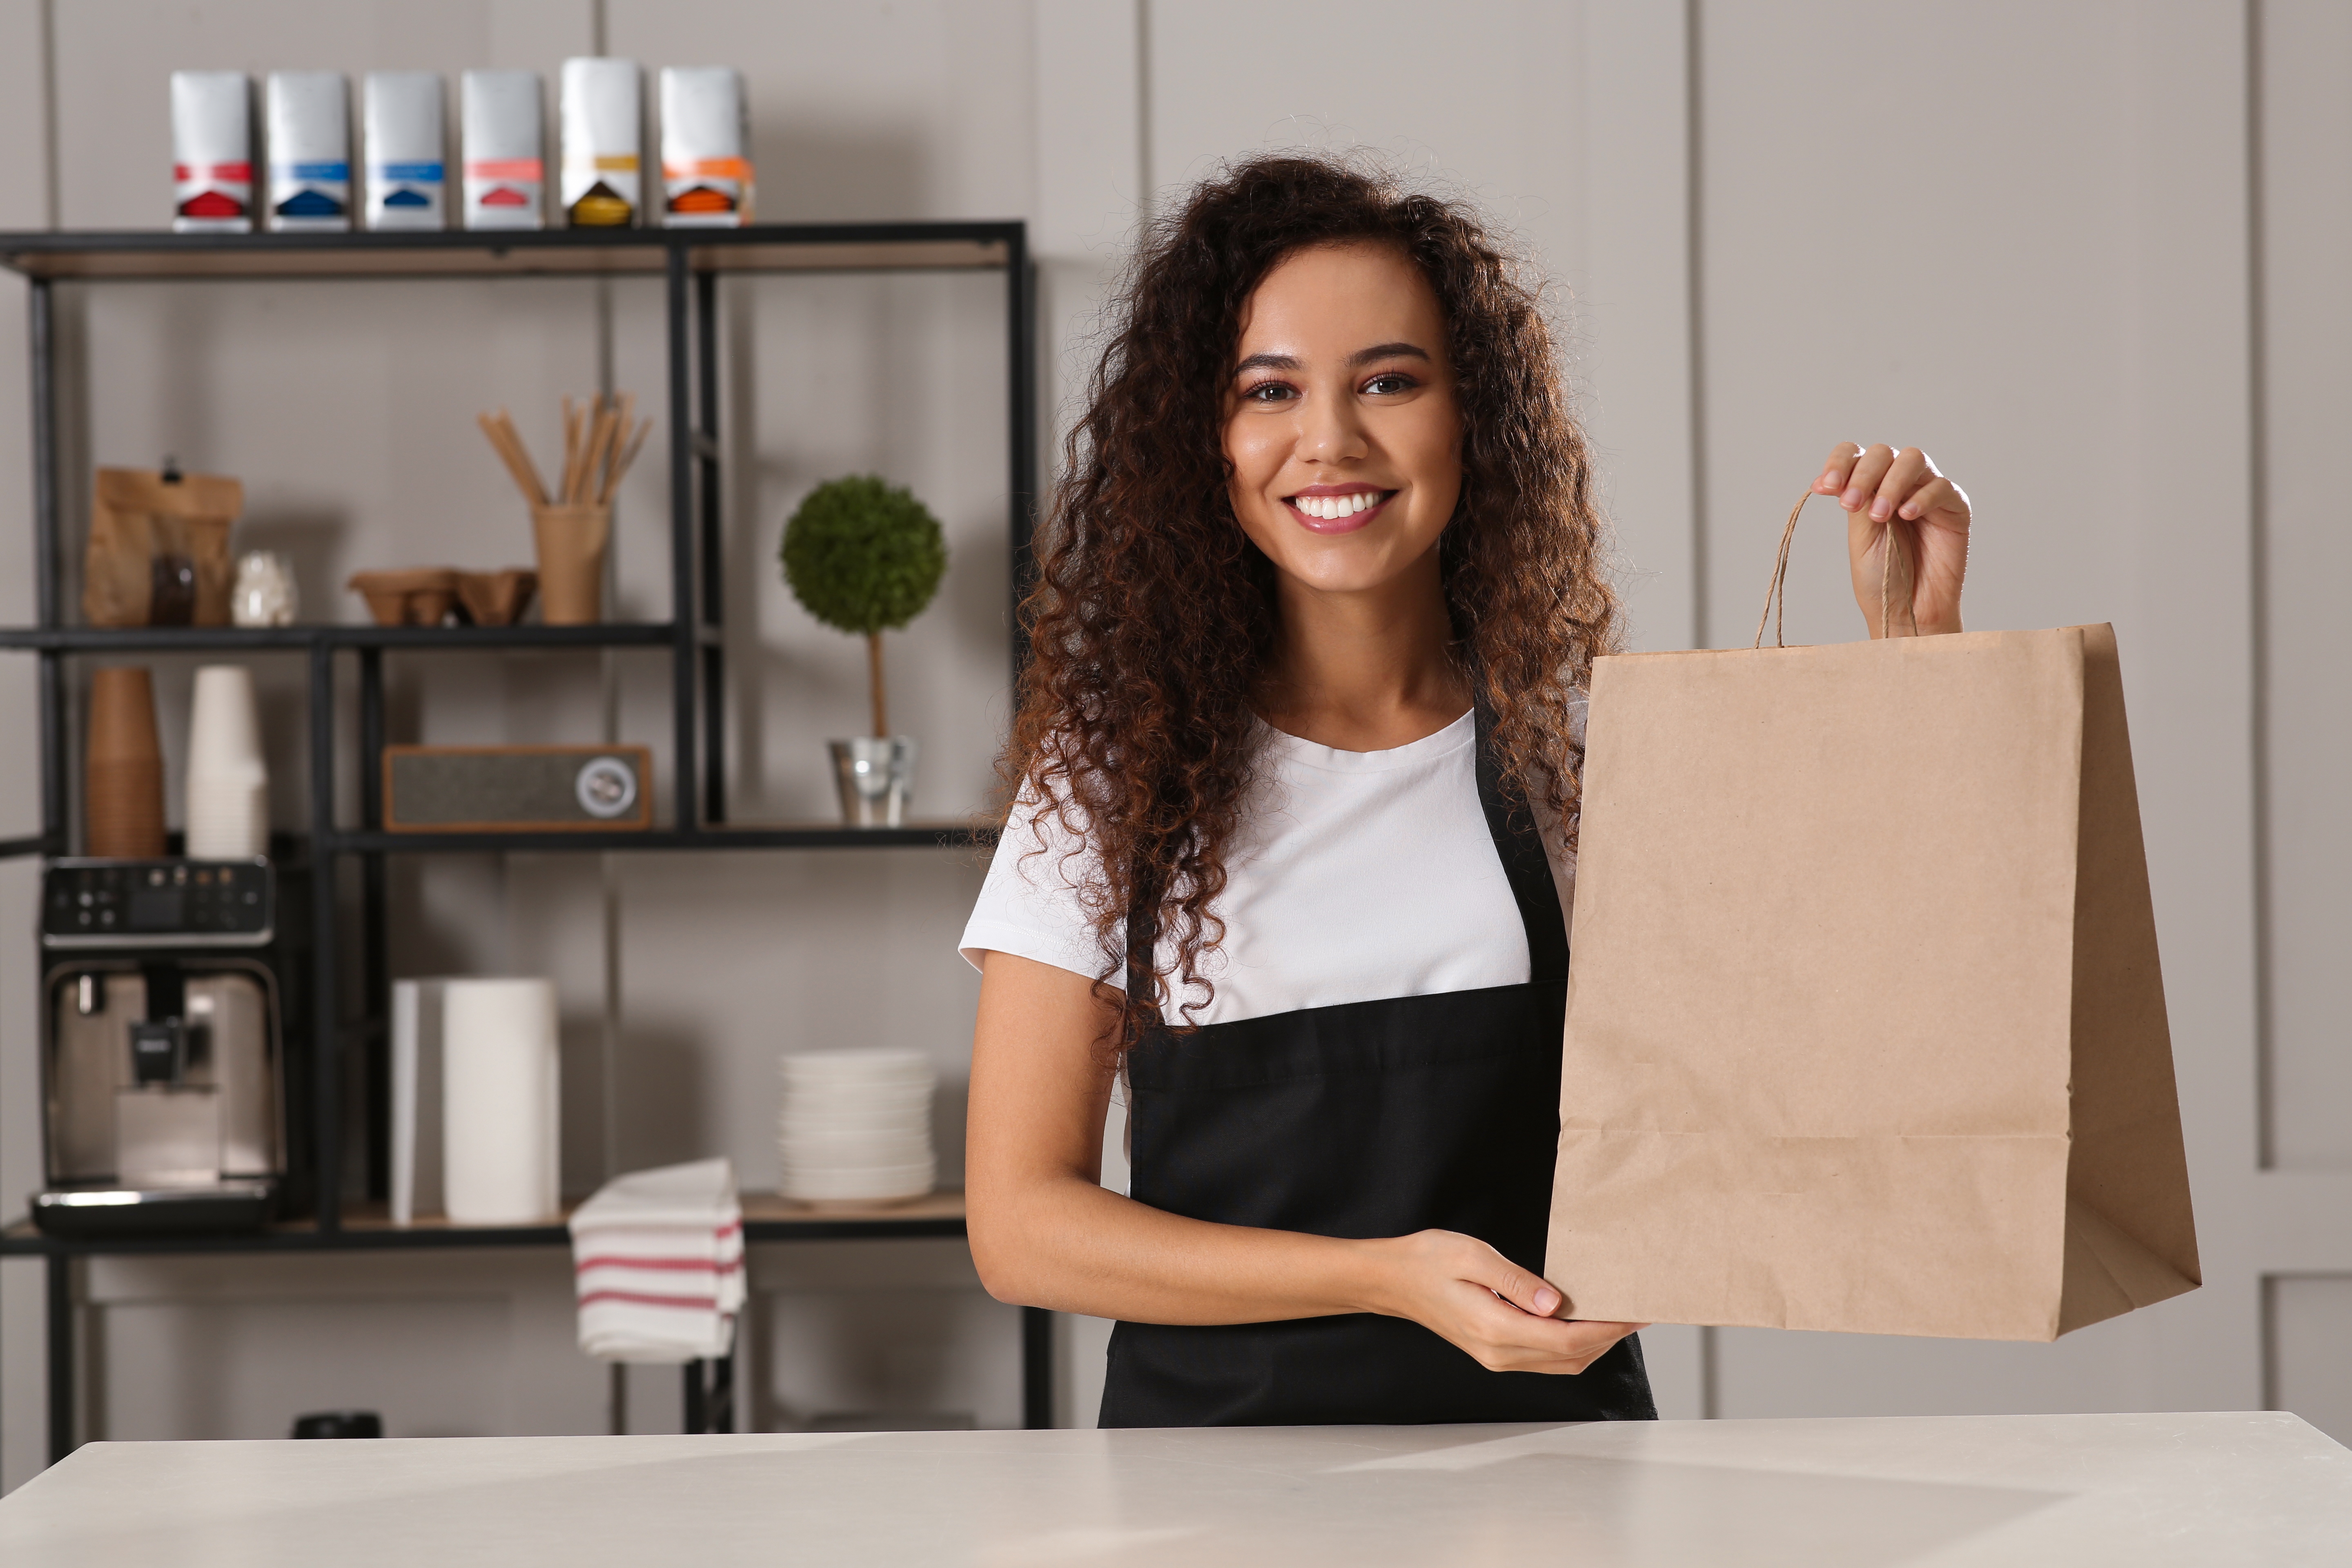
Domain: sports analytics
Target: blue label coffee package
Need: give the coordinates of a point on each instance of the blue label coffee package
(506, 170)
(603, 137)
(706, 148)
(310, 151)
(407, 181)
(211, 152)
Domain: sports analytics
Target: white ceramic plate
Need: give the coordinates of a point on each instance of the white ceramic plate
(910, 1182)
(861, 1065)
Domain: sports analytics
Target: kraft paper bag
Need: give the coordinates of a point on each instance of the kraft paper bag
(1866, 1030)
(158, 553)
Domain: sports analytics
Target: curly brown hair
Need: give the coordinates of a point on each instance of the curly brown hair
(1152, 622)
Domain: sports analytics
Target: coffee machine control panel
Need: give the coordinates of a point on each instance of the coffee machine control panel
(157, 903)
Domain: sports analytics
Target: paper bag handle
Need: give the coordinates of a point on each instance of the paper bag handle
(1776, 596)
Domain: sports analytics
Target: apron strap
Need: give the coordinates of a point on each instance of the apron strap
(1526, 865)
(1142, 938)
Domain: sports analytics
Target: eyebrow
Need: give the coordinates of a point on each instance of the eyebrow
(1360, 357)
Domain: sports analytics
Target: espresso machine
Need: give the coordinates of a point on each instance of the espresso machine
(172, 1011)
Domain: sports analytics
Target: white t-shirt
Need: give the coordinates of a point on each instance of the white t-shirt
(1358, 876)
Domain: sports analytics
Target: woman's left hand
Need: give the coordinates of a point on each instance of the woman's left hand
(1887, 491)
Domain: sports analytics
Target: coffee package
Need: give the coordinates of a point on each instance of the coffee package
(603, 138)
(211, 152)
(407, 180)
(310, 151)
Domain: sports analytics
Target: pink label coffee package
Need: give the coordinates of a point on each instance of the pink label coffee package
(603, 133)
(505, 172)
(407, 183)
(310, 151)
(706, 148)
(211, 152)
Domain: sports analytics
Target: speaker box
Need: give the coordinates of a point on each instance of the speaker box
(511, 789)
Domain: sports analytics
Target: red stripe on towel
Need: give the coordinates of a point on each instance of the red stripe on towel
(638, 1297)
(690, 1265)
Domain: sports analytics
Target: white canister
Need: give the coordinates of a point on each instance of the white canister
(499, 1086)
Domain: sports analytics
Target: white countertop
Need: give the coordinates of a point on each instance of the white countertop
(2138, 1491)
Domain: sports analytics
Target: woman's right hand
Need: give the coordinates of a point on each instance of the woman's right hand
(1459, 1288)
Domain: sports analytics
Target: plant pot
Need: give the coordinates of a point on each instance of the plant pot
(874, 775)
(571, 540)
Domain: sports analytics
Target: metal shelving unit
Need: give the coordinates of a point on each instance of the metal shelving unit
(691, 263)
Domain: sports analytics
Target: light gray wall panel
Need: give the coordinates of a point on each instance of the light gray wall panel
(729, 960)
(2310, 1373)
(1637, 297)
(2031, 261)
(2306, 249)
(1918, 241)
(439, 1343)
(24, 203)
(906, 1332)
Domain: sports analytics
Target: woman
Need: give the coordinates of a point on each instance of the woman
(1294, 823)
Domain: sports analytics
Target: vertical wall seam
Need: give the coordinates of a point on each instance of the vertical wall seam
(1143, 114)
(1694, 257)
(52, 184)
(2257, 584)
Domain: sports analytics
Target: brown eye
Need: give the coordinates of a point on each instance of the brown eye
(1389, 382)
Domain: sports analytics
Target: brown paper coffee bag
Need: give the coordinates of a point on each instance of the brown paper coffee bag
(158, 553)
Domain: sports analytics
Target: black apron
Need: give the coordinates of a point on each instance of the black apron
(1367, 1119)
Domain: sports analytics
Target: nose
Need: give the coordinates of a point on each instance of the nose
(1331, 428)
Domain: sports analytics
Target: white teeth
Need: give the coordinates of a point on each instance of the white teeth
(1331, 508)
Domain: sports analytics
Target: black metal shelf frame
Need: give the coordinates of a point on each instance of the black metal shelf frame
(689, 263)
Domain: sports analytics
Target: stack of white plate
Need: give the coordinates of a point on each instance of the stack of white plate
(857, 1126)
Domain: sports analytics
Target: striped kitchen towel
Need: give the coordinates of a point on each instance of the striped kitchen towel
(657, 1263)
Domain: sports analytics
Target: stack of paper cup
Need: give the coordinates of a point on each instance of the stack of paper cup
(857, 1126)
(228, 784)
(123, 804)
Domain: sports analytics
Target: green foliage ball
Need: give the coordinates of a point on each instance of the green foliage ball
(864, 556)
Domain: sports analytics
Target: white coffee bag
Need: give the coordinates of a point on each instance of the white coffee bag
(211, 152)
(505, 173)
(706, 148)
(603, 139)
(407, 179)
(309, 151)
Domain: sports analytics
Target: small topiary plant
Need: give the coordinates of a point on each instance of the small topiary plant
(865, 557)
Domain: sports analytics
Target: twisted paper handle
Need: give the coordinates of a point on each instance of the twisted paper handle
(1776, 597)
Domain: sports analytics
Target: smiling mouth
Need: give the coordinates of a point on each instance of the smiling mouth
(1337, 513)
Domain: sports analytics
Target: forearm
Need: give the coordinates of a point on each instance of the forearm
(1065, 1243)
